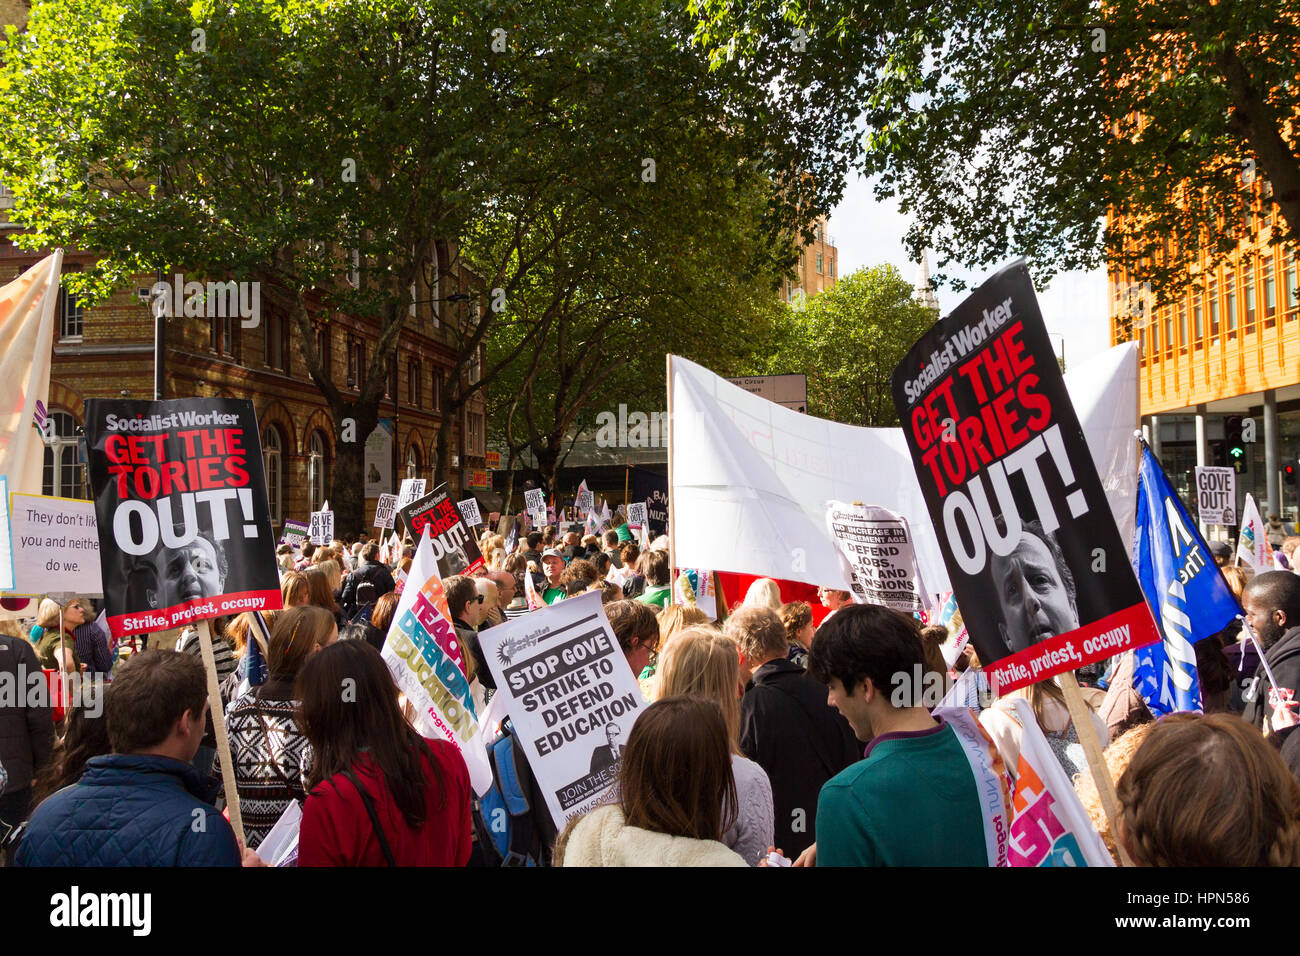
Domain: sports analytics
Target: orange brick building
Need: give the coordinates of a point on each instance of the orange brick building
(816, 270)
(1228, 346)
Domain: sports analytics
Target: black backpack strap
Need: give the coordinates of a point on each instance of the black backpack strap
(374, 817)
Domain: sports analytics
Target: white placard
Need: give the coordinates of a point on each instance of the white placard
(412, 490)
(586, 501)
(877, 547)
(1216, 494)
(636, 516)
(55, 546)
(571, 697)
(322, 527)
(386, 511)
(469, 512)
(535, 501)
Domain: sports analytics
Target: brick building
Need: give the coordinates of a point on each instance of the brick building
(816, 269)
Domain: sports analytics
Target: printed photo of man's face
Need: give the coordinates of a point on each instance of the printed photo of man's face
(1035, 593)
(186, 573)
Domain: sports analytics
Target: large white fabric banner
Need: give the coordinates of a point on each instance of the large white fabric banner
(750, 488)
(26, 344)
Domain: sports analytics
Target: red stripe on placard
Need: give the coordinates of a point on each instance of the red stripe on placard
(199, 609)
(1114, 634)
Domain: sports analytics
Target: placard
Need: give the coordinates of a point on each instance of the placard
(636, 514)
(586, 501)
(295, 533)
(322, 527)
(55, 547)
(454, 547)
(1043, 578)
(181, 510)
(469, 512)
(492, 459)
(1216, 494)
(535, 501)
(877, 548)
(385, 511)
(570, 695)
(412, 489)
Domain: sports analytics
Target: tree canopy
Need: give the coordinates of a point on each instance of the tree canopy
(1015, 128)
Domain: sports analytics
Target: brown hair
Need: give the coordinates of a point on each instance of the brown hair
(631, 622)
(152, 691)
(340, 727)
(318, 585)
(381, 615)
(703, 662)
(758, 632)
(333, 571)
(629, 552)
(579, 569)
(460, 590)
(654, 565)
(1209, 791)
(1236, 578)
(296, 633)
(1118, 756)
(675, 773)
(294, 589)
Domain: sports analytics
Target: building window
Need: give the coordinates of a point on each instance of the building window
(323, 348)
(413, 462)
(820, 264)
(1213, 300)
(277, 352)
(356, 363)
(70, 315)
(222, 335)
(475, 437)
(832, 268)
(274, 476)
(1155, 340)
(414, 374)
(1182, 328)
(1230, 303)
(62, 473)
(1198, 319)
(1292, 287)
(317, 465)
(1169, 331)
(1270, 292)
(435, 395)
(1248, 299)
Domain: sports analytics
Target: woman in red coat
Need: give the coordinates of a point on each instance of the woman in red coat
(379, 793)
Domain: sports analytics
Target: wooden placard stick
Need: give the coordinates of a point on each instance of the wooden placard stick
(1081, 714)
(219, 727)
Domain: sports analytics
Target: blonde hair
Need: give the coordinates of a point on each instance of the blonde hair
(47, 614)
(1236, 578)
(333, 572)
(1118, 756)
(702, 662)
(763, 593)
(1209, 791)
(674, 617)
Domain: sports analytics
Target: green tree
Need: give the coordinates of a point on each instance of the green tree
(1015, 128)
(849, 340)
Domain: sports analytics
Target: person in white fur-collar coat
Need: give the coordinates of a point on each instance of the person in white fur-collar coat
(675, 795)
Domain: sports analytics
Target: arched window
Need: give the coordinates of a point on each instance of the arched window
(317, 465)
(274, 474)
(62, 475)
(413, 463)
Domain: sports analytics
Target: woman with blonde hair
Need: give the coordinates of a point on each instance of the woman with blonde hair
(294, 589)
(764, 592)
(1209, 791)
(322, 595)
(702, 662)
(672, 619)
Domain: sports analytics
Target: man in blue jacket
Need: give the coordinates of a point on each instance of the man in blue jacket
(143, 805)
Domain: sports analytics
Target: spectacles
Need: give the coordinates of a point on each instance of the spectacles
(480, 598)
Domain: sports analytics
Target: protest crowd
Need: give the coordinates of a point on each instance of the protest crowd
(557, 689)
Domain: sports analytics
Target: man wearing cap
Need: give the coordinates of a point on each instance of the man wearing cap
(553, 565)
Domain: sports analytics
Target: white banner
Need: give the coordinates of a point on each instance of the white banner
(27, 307)
(1252, 540)
(695, 586)
(571, 697)
(1216, 495)
(385, 512)
(749, 495)
(424, 654)
(877, 546)
(322, 527)
(469, 512)
(55, 546)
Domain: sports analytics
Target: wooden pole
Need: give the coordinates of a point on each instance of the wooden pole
(1081, 714)
(219, 727)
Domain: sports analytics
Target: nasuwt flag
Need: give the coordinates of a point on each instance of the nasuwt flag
(1018, 510)
(1187, 594)
(1252, 540)
(181, 510)
(27, 307)
(750, 496)
(990, 776)
(424, 654)
(1050, 826)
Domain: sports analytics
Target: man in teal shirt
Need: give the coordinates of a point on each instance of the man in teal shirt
(912, 800)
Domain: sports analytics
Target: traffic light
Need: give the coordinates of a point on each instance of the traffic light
(1234, 443)
(1288, 474)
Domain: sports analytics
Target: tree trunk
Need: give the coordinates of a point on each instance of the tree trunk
(509, 494)
(347, 483)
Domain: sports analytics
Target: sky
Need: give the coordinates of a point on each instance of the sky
(869, 233)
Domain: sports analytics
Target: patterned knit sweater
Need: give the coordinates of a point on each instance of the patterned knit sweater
(271, 755)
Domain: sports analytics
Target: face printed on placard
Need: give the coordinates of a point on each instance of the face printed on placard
(1036, 592)
(186, 573)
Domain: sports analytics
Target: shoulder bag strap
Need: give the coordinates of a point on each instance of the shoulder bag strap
(374, 817)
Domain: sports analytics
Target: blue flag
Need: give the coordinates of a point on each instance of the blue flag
(256, 671)
(1183, 586)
